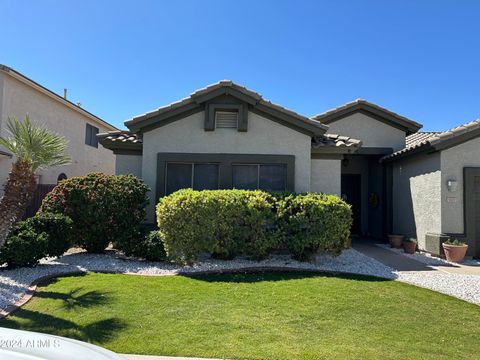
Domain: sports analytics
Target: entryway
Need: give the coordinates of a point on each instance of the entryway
(352, 193)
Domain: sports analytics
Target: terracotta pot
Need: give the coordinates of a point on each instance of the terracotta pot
(409, 247)
(455, 253)
(395, 241)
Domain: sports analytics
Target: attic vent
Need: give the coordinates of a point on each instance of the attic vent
(226, 119)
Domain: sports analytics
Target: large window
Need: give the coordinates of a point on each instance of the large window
(190, 175)
(268, 177)
(91, 136)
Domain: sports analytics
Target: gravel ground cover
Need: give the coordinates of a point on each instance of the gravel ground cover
(14, 283)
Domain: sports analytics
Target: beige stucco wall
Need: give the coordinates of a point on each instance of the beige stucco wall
(373, 133)
(20, 99)
(129, 164)
(453, 160)
(417, 196)
(263, 137)
(325, 176)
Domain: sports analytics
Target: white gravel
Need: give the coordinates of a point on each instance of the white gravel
(14, 283)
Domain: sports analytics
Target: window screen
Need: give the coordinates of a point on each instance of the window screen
(205, 176)
(245, 177)
(259, 176)
(91, 135)
(188, 175)
(179, 176)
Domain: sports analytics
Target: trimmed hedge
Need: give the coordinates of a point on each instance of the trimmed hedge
(104, 208)
(228, 223)
(35, 238)
(225, 223)
(312, 223)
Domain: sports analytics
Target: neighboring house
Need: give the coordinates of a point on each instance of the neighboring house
(225, 136)
(20, 96)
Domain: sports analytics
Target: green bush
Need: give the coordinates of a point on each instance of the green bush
(35, 238)
(147, 245)
(104, 208)
(225, 223)
(311, 222)
(228, 223)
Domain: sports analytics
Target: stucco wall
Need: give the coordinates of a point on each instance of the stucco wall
(128, 164)
(263, 137)
(416, 196)
(325, 176)
(19, 99)
(453, 160)
(373, 133)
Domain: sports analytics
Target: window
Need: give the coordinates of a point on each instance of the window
(226, 119)
(190, 175)
(61, 177)
(91, 136)
(260, 176)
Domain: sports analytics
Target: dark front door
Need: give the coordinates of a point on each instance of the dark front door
(351, 193)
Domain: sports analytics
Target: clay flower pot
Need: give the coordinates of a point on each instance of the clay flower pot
(409, 247)
(395, 241)
(455, 253)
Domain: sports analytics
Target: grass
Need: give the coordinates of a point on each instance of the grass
(255, 316)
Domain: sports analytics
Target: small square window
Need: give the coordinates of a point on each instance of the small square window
(91, 135)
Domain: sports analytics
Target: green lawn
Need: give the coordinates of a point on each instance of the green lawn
(255, 316)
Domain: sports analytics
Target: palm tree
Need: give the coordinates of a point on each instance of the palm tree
(34, 148)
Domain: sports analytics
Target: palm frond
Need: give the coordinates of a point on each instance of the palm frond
(35, 144)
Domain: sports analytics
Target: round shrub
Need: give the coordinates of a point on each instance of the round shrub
(309, 223)
(148, 246)
(225, 223)
(104, 208)
(35, 238)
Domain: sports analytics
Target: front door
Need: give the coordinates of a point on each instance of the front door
(351, 193)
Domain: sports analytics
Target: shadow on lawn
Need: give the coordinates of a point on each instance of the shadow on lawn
(98, 331)
(256, 275)
(73, 299)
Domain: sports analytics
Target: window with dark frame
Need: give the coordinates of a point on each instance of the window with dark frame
(267, 177)
(91, 135)
(197, 176)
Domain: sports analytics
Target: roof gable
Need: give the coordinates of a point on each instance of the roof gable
(196, 102)
(374, 111)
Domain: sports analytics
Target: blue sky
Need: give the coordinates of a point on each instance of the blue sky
(123, 58)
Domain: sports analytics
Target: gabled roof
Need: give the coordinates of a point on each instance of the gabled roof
(435, 141)
(192, 103)
(370, 109)
(33, 84)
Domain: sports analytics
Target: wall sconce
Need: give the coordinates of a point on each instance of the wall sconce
(452, 185)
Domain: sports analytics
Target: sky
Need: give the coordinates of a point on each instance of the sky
(418, 58)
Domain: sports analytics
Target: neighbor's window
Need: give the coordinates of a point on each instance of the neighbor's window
(187, 175)
(91, 136)
(226, 119)
(268, 177)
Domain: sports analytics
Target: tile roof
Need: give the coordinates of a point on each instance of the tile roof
(359, 104)
(423, 139)
(120, 139)
(333, 140)
(255, 98)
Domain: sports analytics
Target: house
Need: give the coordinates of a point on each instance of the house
(20, 96)
(398, 180)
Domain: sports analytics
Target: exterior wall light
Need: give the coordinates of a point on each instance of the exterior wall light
(452, 185)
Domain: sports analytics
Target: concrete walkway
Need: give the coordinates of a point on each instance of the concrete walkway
(403, 263)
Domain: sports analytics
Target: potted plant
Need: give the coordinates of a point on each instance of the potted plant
(395, 241)
(410, 245)
(455, 250)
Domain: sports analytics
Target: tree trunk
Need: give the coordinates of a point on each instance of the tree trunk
(18, 193)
